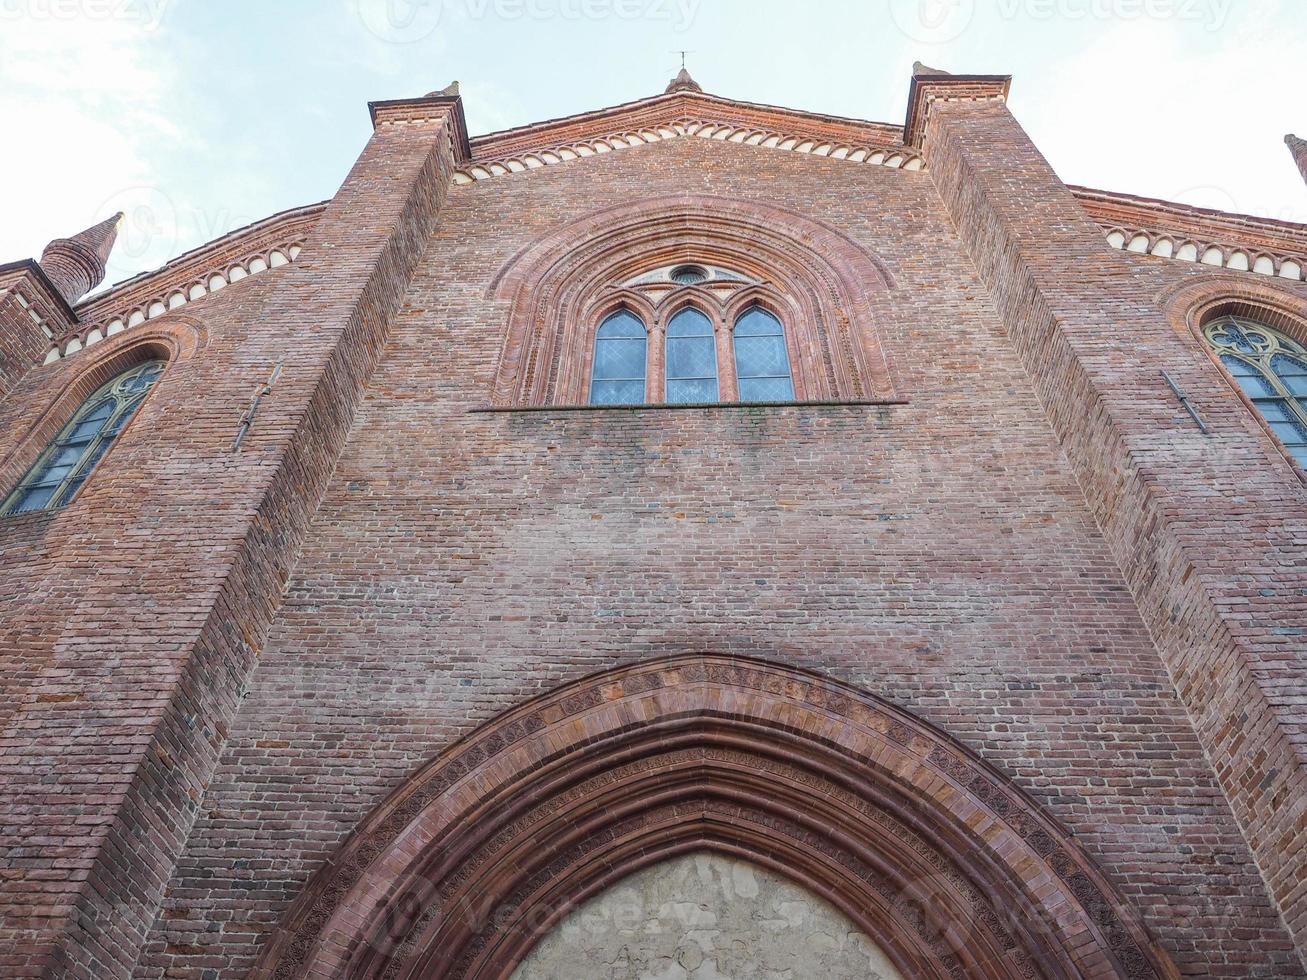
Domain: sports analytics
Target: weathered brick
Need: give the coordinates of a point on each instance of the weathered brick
(218, 665)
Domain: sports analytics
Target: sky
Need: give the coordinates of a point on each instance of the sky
(195, 117)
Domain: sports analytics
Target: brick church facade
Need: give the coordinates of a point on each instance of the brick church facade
(856, 510)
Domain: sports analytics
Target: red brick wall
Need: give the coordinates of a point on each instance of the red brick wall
(22, 342)
(940, 554)
(129, 620)
(1208, 529)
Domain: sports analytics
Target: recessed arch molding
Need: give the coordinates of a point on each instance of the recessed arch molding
(937, 856)
(834, 291)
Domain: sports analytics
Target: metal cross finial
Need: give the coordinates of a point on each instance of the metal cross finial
(682, 54)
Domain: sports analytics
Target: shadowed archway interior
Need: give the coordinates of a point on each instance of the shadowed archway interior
(949, 868)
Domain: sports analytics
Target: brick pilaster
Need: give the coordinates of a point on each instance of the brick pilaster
(131, 687)
(1204, 527)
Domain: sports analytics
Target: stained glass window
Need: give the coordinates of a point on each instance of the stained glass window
(69, 459)
(691, 359)
(1271, 368)
(619, 365)
(762, 363)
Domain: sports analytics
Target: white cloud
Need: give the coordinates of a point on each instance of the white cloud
(382, 37)
(1159, 108)
(83, 90)
(212, 120)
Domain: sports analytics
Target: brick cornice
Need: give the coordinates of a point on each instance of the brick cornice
(661, 109)
(223, 262)
(927, 89)
(30, 269)
(714, 128)
(427, 109)
(225, 248)
(1109, 208)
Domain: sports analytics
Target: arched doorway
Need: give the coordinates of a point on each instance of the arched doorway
(947, 866)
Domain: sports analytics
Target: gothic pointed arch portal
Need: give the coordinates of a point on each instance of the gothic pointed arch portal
(938, 858)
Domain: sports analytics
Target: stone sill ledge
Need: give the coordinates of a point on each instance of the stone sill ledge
(676, 407)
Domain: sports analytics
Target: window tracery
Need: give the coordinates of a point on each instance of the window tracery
(719, 256)
(762, 362)
(1271, 368)
(712, 336)
(59, 472)
(691, 359)
(620, 361)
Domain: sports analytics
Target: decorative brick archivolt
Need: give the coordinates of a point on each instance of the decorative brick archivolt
(831, 294)
(952, 869)
(1191, 305)
(897, 157)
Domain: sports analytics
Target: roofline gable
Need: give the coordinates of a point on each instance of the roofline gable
(671, 106)
(1165, 228)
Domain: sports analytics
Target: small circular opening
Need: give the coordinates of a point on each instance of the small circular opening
(689, 275)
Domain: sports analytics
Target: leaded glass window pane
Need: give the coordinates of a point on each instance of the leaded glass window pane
(691, 359)
(621, 349)
(71, 456)
(1292, 373)
(35, 498)
(1271, 368)
(762, 362)
(1252, 381)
